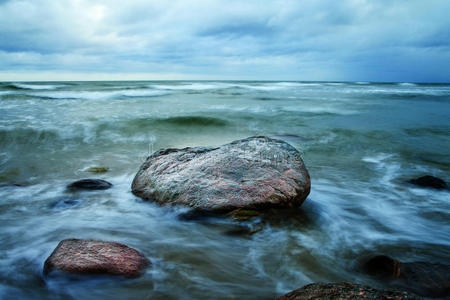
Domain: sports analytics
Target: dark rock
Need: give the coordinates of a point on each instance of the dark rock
(90, 184)
(243, 231)
(12, 185)
(252, 173)
(430, 182)
(423, 278)
(199, 215)
(383, 266)
(343, 290)
(90, 257)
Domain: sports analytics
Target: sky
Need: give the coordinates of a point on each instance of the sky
(325, 40)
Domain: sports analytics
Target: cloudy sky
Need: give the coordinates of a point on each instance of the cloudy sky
(355, 40)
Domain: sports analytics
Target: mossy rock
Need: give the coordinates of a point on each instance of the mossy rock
(98, 170)
(244, 214)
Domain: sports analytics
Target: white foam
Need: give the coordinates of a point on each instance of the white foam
(271, 87)
(94, 95)
(377, 159)
(319, 110)
(193, 86)
(37, 86)
(334, 83)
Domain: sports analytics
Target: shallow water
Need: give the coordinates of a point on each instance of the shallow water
(360, 143)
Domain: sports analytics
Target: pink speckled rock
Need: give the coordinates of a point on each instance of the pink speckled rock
(96, 257)
(345, 290)
(253, 173)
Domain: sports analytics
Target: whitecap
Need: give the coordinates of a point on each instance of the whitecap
(37, 86)
(389, 169)
(319, 110)
(99, 95)
(334, 83)
(193, 86)
(377, 159)
(407, 84)
(271, 87)
(288, 84)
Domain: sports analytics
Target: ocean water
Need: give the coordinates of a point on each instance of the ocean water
(360, 142)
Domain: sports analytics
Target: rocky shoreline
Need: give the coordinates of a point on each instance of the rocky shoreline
(241, 180)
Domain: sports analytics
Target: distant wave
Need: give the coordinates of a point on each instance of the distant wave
(257, 86)
(261, 87)
(407, 84)
(95, 95)
(273, 86)
(139, 128)
(230, 85)
(408, 93)
(334, 83)
(192, 86)
(193, 121)
(27, 136)
(24, 86)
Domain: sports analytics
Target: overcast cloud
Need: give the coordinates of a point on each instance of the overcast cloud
(361, 40)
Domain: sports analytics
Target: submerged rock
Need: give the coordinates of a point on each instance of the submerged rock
(244, 231)
(90, 184)
(343, 290)
(252, 173)
(88, 257)
(423, 278)
(98, 169)
(430, 182)
(12, 185)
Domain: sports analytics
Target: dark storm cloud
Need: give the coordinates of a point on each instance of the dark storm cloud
(403, 40)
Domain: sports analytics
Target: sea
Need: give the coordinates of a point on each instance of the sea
(360, 141)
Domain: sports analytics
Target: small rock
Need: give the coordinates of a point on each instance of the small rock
(90, 257)
(98, 170)
(430, 182)
(383, 266)
(343, 290)
(90, 184)
(253, 173)
(423, 278)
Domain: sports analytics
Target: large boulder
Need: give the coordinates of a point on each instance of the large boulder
(343, 290)
(91, 257)
(256, 172)
(423, 278)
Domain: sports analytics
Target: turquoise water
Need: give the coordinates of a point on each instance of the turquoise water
(360, 142)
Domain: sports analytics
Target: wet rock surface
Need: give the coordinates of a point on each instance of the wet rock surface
(98, 169)
(90, 184)
(423, 278)
(343, 290)
(255, 172)
(430, 182)
(91, 257)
